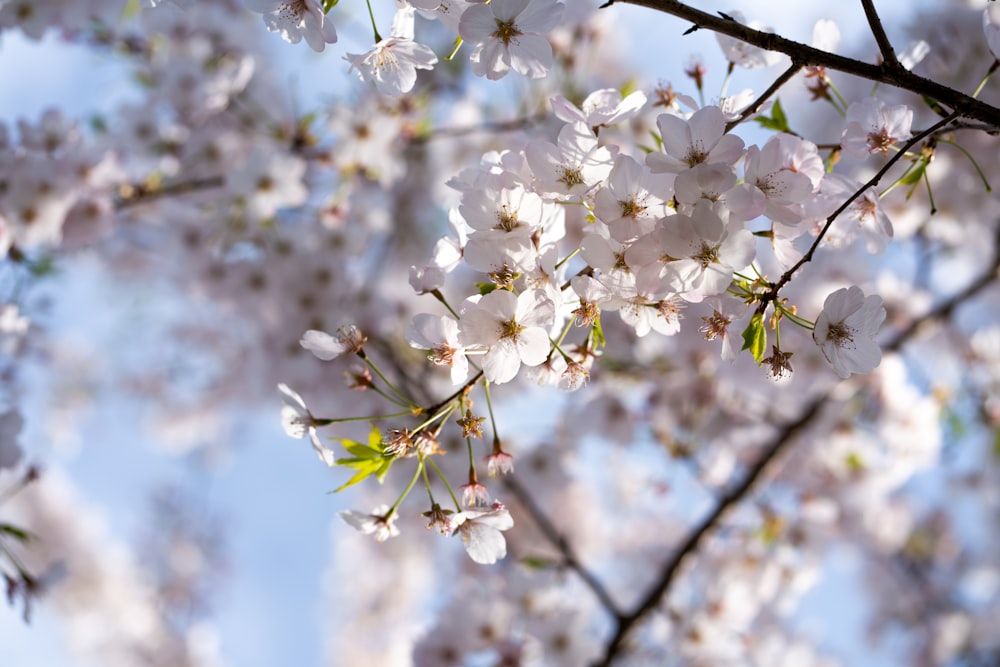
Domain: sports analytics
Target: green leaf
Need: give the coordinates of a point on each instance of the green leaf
(913, 176)
(359, 449)
(328, 5)
(598, 332)
(359, 476)
(131, 9)
(755, 337)
(383, 470)
(778, 121)
(375, 438)
(19, 534)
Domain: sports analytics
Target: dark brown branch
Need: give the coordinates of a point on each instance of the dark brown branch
(134, 195)
(808, 56)
(495, 126)
(888, 54)
(727, 501)
(783, 439)
(565, 550)
(772, 294)
(785, 77)
(944, 309)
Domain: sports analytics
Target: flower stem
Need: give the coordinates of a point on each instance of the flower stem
(371, 14)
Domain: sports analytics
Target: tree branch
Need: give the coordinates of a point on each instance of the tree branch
(727, 501)
(808, 56)
(769, 454)
(559, 542)
(888, 54)
(792, 70)
(772, 294)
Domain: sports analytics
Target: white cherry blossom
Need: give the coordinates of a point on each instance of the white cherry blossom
(510, 34)
(511, 329)
(295, 20)
(845, 331)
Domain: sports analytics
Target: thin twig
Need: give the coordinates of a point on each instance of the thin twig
(495, 126)
(670, 570)
(553, 535)
(792, 70)
(809, 56)
(888, 54)
(768, 455)
(142, 194)
(772, 294)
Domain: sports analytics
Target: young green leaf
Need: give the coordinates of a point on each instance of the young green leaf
(755, 337)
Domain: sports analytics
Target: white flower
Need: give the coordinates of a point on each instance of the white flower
(511, 328)
(845, 331)
(873, 127)
(991, 27)
(510, 34)
(379, 523)
(601, 108)
(296, 19)
(326, 347)
(480, 531)
(299, 422)
(439, 334)
(392, 64)
(746, 55)
(701, 139)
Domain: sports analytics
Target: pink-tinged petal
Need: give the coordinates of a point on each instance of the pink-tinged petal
(322, 344)
(483, 544)
(478, 23)
(531, 55)
(540, 16)
(502, 362)
(533, 346)
(707, 125)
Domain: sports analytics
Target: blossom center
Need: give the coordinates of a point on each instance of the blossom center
(443, 355)
(840, 335)
(571, 177)
(696, 154)
(510, 329)
(506, 31)
(632, 208)
(506, 219)
(708, 255)
(879, 142)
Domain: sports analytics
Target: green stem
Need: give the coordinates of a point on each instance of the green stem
(989, 73)
(378, 371)
(406, 491)
(489, 406)
(327, 422)
(440, 297)
(975, 164)
(444, 480)
(371, 14)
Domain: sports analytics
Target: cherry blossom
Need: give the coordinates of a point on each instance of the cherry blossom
(845, 331)
(439, 334)
(299, 422)
(874, 127)
(511, 329)
(701, 139)
(296, 19)
(379, 522)
(509, 34)
(393, 62)
(480, 531)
